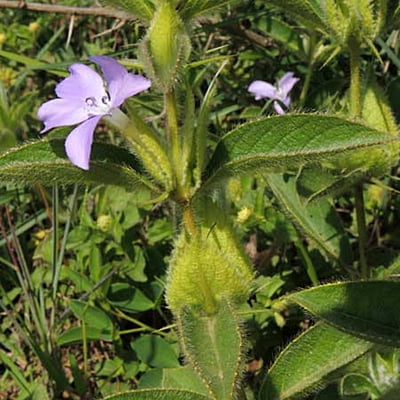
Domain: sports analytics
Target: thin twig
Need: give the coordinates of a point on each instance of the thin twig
(54, 8)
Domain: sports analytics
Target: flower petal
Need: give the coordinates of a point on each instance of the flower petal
(84, 82)
(286, 101)
(131, 85)
(121, 83)
(278, 108)
(79, 143)
(112, 69)
(263, 90)
(286, 83)
(60, 112)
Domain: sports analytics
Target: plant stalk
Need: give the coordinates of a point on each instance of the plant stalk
(310, 70)
(310, 269)
(173, 138)
(355, 110)
(355, 86)
(362, 230)
(189, 220)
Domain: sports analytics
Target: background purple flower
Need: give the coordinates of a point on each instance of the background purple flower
(84, 99)
(264, 90)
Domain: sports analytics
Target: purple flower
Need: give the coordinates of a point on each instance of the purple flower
(84, 99)
(279, 92)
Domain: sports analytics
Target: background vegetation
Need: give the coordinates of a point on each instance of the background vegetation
(83, 268)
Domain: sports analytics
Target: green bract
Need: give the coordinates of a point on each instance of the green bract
(207, 268)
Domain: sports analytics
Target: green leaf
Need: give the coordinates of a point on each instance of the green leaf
(368, 310)
(213, 346)
(308, 12)
(45, 162)
(314, 182)
(288, 36)
(110, 368)
(158, 394)
(53, 367)
(31, 62)
(310, 358)
(75, 335)
(354, 384)
(318, 221)
(375, 108)
(128, 298)
(39, 393)
(285, 142)
(91, 315)
(155, 351)
(143, 9)
(193, 8)
(78, 375)
(173, 378)
(82, 282)
(15, 372)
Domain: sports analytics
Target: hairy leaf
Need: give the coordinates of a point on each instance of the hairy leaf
(308, 12)
(45, 162)
(318, 220)
(375, 108)
(173, 378)
(280, 143)
(365, 309)
(158, 394)
(213, 346)
(193, 8)
(143, 9)
(310, 358)
(155, 351)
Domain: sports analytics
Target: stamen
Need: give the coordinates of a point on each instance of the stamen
(97, 106)
(90, 101)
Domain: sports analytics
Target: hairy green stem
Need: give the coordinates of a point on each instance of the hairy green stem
(310, 70)
(355, 110)
(362, 230)
(173, 138)
(355, 86)
(306, 86)
(146, 144)
(189, 220)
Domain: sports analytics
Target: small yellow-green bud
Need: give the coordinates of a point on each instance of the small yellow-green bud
(166, 45)
(375, 195)
(104, 222)
(163, 40)
(8, 76)
(243, 215)
(235, 189)
(279, 320)
(33, 27)
(3, 38)
(206, 268)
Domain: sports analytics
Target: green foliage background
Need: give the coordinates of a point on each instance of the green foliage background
(107, 329)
